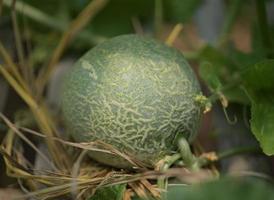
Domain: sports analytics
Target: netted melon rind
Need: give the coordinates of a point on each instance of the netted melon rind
(134, 93)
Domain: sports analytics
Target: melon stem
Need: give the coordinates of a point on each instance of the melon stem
(168, 161)
(190, 161)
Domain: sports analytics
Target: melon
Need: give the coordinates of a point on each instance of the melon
(134, 93)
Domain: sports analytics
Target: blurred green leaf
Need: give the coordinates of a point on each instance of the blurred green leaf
(260, 76)
(180, 10)
(210, 75)
(116, 18)
(219, 59)
(115, 192)
(52, 7)
(259, 84)
(262, 122)
(225, 189)
(222, 73)
(232, 13)
(256, 40)
(237, 95)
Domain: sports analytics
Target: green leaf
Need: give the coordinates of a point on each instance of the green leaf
(221, 74)
(115, 192)
(210, 75)
(226, 189)
(243, 59)
(259, 83)
(225, 64)
(233, 11)
(262, 122)
(260, 76)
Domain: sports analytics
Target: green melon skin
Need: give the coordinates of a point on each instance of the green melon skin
(134, 93)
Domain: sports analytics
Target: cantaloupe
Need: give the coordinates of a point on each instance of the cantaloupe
(134, 93)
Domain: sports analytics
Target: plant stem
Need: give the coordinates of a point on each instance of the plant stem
(174, 34)
(229, 153)
(190, 161)
(264, 29)
(158, 17)
(216, 96)
(237, 151)
(168, 161)
(19, 43)
(233, 11)
(188, 158)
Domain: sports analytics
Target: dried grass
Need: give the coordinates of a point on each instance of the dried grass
(84, 176)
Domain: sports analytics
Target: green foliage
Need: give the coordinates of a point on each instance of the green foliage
(226, 189)
(259, 84)
(210, 75)
(260, 76)
(262, 123)
(221, 73)
(223, 64)
(115, 192)
(233, 10)
(180, 10)
(238, 78)
(242, 59)
(52, 7)
(117, 16)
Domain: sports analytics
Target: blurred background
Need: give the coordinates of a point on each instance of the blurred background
(223, 32)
